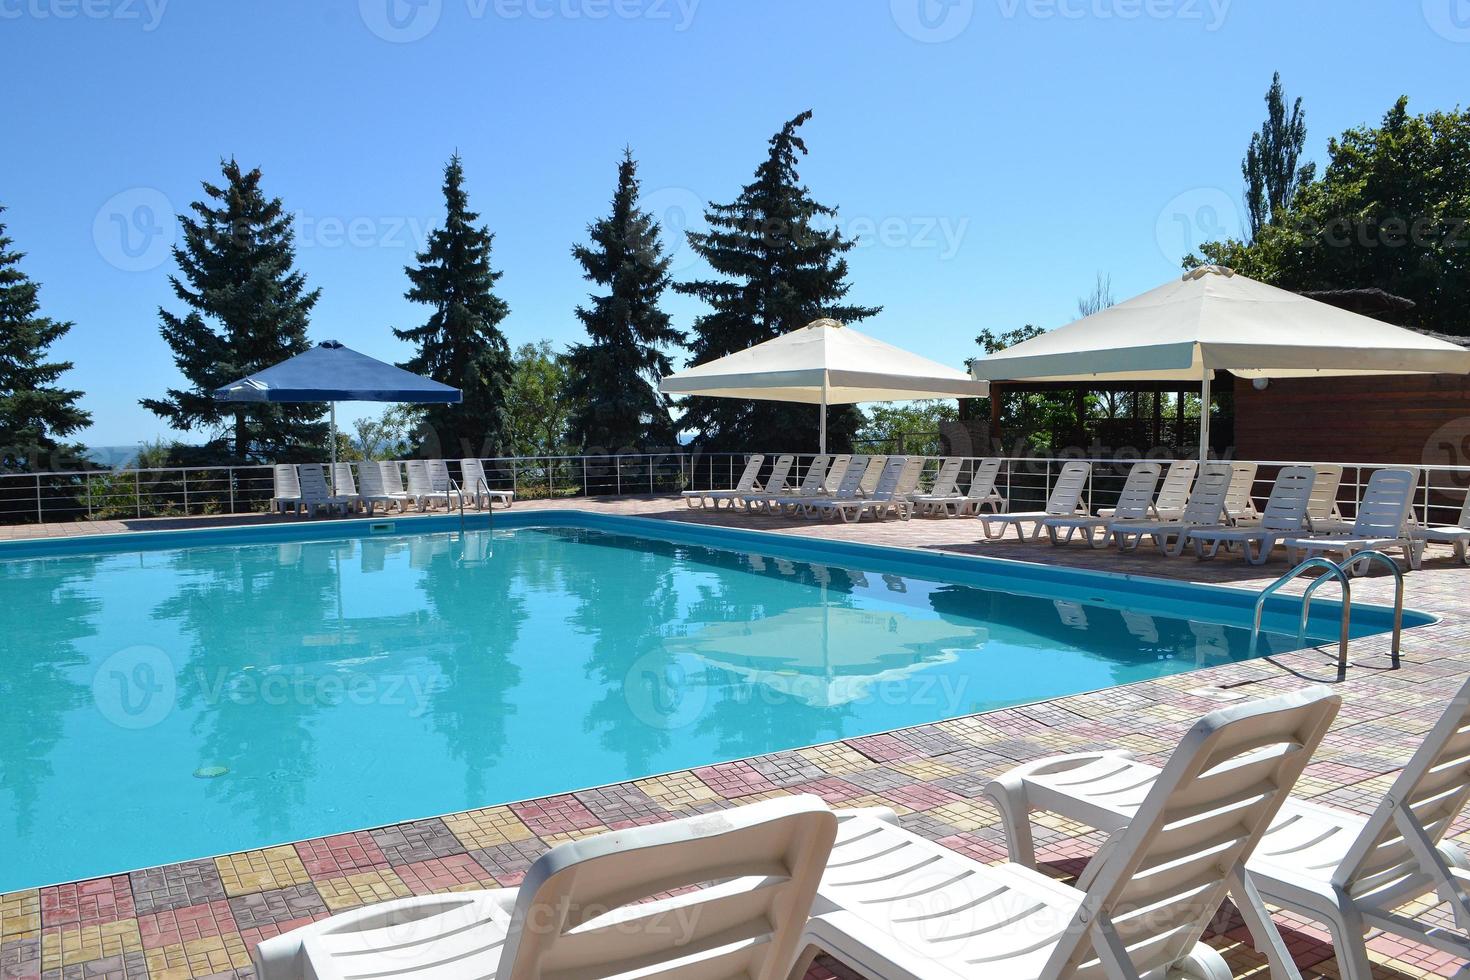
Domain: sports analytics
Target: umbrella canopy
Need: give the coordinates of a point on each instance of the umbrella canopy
(824, 363)
(1214, 319)
(330, 372)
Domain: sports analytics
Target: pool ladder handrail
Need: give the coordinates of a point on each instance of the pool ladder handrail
(458, 492)
(1337, 571)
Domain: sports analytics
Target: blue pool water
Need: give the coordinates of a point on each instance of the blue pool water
(165, 702)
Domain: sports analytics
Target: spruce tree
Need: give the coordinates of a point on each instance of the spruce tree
(247, 309)
(614, 377)
(779, 272)
(461, 344)
(34, 412)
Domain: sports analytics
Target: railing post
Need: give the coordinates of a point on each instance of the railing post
(87, 482)
(40, 516)
(618, 465)
(584, 477)
(138, 490)
(515, 481)
(186, 491)
(650, 474)
(230, 479)
(550, 478)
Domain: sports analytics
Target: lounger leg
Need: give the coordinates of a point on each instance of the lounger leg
(1264, 934)
(803, 963)
(1347, 931)
(1009, 797)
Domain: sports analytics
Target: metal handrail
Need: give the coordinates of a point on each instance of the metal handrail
(458, 492)
(1398, 592)
(1334, 571)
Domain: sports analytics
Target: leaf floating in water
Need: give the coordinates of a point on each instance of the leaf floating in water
(210, 772)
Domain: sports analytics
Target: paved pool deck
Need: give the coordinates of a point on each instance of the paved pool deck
(200, 918)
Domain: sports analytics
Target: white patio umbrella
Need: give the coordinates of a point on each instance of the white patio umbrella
(1215, 319)
(824, 363)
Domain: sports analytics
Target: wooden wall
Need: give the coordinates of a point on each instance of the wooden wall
(1419, 419)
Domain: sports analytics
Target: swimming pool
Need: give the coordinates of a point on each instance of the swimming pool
(178, 695)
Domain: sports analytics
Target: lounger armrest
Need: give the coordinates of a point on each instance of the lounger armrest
(1062, 763)
(881, 813)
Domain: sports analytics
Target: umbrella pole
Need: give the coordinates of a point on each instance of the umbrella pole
(822, 447)
(334, 449)
(1204, 418)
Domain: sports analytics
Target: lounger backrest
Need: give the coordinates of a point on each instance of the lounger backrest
(1138, 491)
(745, 880)
(1387, 503)
(419, 483)
(909, 475)
(473, 472)
(392, 472)
(1178, 484)
(1066, 495)
(1431, 791)
(1159, 881)
(873, 474)
(752, 470)
(313, 481)
(982, 481)
(288, 483)
(342, 482)
(1238, 502)
(1325, 484)
(947, 478)
(1291, 495)
(838, 470)
(780, 470)
(1464, 520)
(438, 474)
(1207, 501)
(370, 479)
(816, 473)
(892, 476)
(852, 477)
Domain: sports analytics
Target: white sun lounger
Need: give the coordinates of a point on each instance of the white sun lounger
(743, 879)
(1382, 523)
(810, 486)
(1065, 499)
(744, 485)
(392, 474)
(1206, 508)
(897, 906)
(871, 475)
(886, 498)
(847, 489)
(427, 486)
(315, 496)
(1173, 494)
(952, 503)
(1457, 535)
(344, 485)
(286, 492)
(775, 484)
(946, 481)
(1134, 503)
(838, 470)
(373, 491)
(1350, 872)
(1323, 513)
(477, 486)
(1285, 517)
(1240, 506)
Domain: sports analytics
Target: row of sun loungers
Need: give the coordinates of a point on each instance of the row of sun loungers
(303, 487)
(757, 891)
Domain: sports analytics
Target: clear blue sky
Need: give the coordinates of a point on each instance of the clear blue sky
(991, 155)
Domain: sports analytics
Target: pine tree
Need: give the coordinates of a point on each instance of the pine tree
(614, 378)
(247, 309)
(33, 411)
(1272, 177)
(780, 273)
(461, 344)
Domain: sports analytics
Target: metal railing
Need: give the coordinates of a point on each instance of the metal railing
(194, 490)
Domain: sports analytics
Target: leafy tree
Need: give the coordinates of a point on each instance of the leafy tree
(1272, 177)
(1026, 417)
(33, 410)
(1391, 211)
(392, 435)
(247, 309)
(538, 404)
(917, 422)
(778, 272)
(461, 344)
(614, 379)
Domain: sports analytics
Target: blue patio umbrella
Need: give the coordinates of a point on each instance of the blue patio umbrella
(332, 373)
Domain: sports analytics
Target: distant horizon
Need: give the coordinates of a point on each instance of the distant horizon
(987, 189)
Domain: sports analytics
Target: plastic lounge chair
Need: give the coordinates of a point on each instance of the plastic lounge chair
(838, 470)
(286, 492)
(392, 474)
(811, 486)
(1457, 534)
(1285, 517)
(886, 498)
(477, 486)
(426, 490)
(1173, 494)
(909, 477)
(846, 490)
(872, 475)
(745, 880)
(344, 485)
(315, 496)
(1382, 523)
(1206, 508)
(744, 485)
(1240, 506)
(1351, 872)
(372, 490)
(775, 484)
(946, 481)
(895, 905)
(981, 493)
(1134, 503)
(1065, 500)
(1323, 513)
